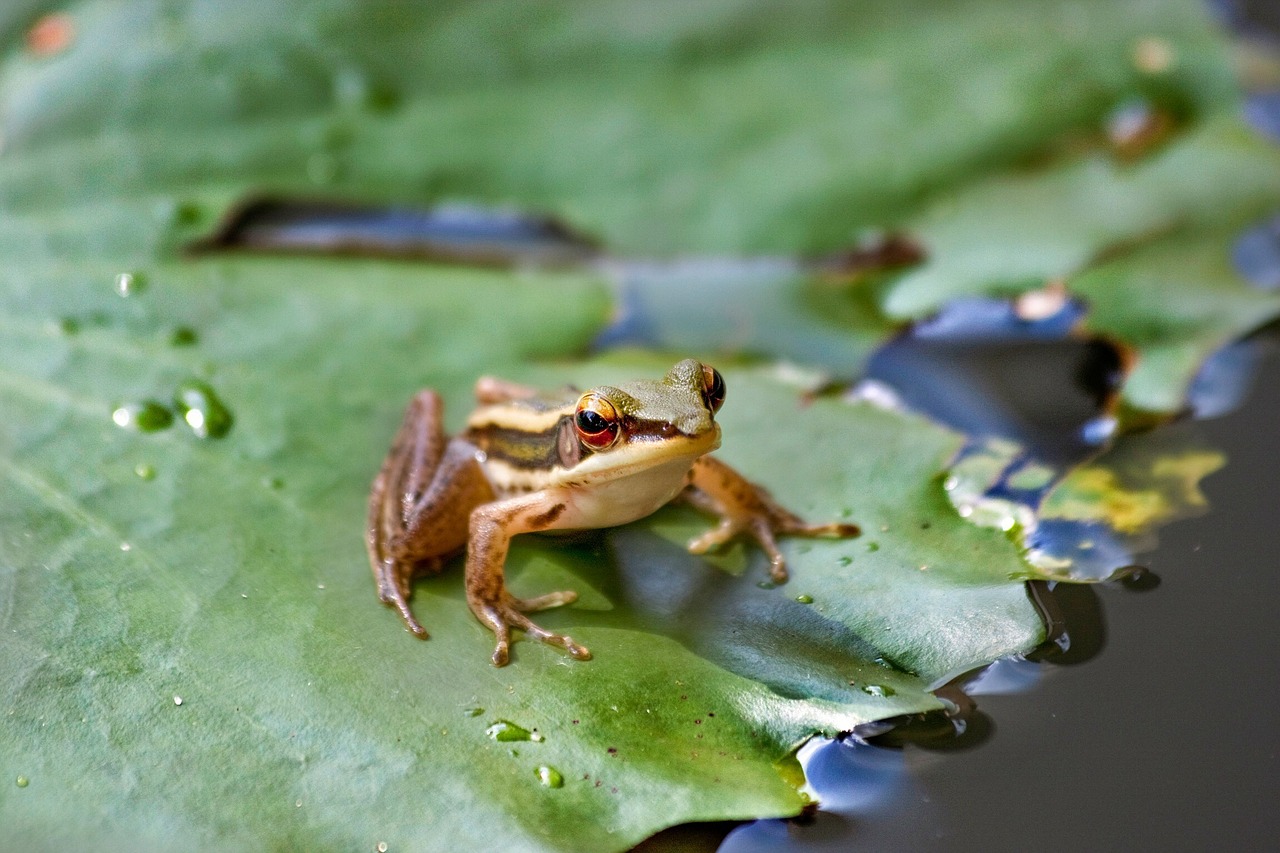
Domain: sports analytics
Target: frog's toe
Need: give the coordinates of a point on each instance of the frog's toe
(394, 595)
(763, 534)
(833, 529)
(576, 651)
(713, 538)
(502, 617)
(544, 602)
(501, 654)
(496, 621)
(563, 641)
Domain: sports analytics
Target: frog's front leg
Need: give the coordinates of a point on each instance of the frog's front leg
(492, 526)
(744, 507)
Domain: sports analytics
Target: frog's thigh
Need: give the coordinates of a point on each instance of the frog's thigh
(419, 503)
(435, 521)
(415, 452)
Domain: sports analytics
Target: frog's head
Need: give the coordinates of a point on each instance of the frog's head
(649, 422)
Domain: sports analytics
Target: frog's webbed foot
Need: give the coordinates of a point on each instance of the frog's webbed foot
(508, 612)
(745, 508)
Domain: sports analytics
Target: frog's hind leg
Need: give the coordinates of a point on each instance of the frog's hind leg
(419, 504)
(491, 390)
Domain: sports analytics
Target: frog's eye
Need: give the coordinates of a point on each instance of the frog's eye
(712, 388)
(596, 422)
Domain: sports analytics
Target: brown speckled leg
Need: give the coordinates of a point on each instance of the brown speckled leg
(744, 507)
(420, 503)
(491, 529)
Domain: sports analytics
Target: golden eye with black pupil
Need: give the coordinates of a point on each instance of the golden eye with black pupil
(712, 388)
(596, 421)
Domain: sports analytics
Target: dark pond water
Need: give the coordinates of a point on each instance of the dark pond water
(1159, 729)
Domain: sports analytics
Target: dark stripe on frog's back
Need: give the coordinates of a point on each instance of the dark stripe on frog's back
(522, 449)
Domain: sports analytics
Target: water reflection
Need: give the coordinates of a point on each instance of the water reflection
(1256, 252)
(985, 369)
(869, 777)
(855, 782)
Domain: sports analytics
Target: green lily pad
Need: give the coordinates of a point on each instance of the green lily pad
(197, 652)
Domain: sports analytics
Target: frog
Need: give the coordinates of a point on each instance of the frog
(529, 461)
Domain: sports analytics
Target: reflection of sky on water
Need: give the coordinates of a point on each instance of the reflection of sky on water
(1094, 549)
(1256, 253)
(1005, 676)
(854, 781)
(1262, 110)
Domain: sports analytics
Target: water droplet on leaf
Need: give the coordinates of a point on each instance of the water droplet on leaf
(882, 690)
(183, 336)
(1136, 127)
(23, 781)
(550, 777)
(130, 284)
(200, 407)
(143, 416)
(804, 599)
(504, 731)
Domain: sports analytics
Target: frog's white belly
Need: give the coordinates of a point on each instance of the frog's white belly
(607, 504)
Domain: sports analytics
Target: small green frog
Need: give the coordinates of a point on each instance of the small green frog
(529, 462)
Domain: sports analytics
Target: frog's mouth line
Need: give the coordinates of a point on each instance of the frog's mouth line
(635, 457)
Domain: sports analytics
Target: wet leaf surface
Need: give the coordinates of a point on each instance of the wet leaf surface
(233, 576)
